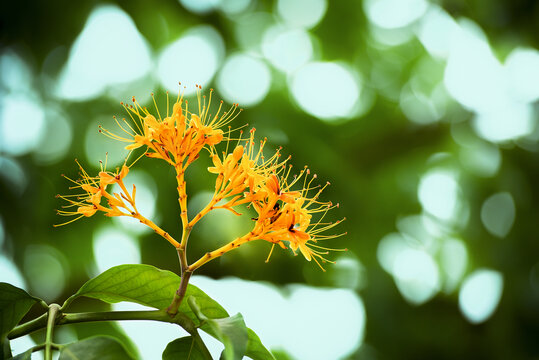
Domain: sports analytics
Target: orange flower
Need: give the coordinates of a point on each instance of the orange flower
(239, 175)
(285, 218)
(177, 138)
(94, 189)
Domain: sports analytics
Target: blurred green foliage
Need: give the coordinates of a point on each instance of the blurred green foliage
(374, 161)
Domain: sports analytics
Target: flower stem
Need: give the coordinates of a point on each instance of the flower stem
(180, 293)
(156, 228)
(51, 320)
(28, 327)
(219, 252)
(71, 318)
(182, 196)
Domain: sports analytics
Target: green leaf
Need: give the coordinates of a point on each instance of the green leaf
(183, 348)
(95, 348)
(14, 304)
(145, 285)
(27, 355)
(255, 349)
(231, 331)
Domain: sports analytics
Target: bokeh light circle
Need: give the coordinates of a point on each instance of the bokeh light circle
(287, 49)
(391, 14)
(244, 79)
(480, 294)
(326, 90)
(22, 121)
(103, 54)
(522, 66)
(303, 13)
(192, 59)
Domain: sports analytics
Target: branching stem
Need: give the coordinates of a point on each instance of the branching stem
(51, 320)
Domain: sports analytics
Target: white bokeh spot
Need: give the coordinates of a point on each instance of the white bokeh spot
(22, 121)
(192, 60)
(480, 294)
(244, 79)
(302, 13)
(392, 14)
(287, 49)
(439, 194)
(109, 51)
(113, 247)
(326, 90)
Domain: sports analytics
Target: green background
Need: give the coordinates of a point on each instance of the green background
(375, 157)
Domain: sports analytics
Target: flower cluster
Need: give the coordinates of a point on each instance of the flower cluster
(285, 216)
(94, 190)
(93, 196)
(177, 138)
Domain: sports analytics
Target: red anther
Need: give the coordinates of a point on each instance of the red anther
(152, 94)
(133, 99)
(328, 183)
(57, 196)
(315, 176)
(222, 102)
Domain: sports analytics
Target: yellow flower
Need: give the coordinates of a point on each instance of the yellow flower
(93, 190)
(285, 216)
(177, 138)
(239, 175)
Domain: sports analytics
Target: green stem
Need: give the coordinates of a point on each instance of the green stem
(51, 320)
(156, 315)
(42, 346)
(28, 327)
(180, 293)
